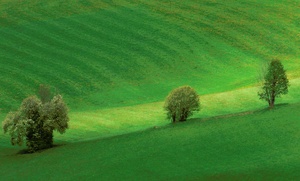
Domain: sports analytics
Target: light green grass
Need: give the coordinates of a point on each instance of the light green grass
(263, 145)
(113, 121)
(87, 125)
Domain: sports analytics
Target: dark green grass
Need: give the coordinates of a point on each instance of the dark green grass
(104, 54)
(259, 145)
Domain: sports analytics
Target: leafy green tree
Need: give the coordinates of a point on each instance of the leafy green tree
(181, 103)
(35, 122)
(275, 83)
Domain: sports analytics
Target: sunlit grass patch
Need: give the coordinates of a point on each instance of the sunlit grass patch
(120, 120)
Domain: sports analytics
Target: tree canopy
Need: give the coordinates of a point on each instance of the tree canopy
(36, 122)
(275, 83)
(181, 103)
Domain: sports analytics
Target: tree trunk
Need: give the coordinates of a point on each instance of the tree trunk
(273, 93)
(183, 116)
(173, 118)
(271, 105)
(272, 101)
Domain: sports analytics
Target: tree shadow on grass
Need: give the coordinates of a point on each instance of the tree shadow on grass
(258, 111)
(267, 109)
(26, 151)
(281, 105)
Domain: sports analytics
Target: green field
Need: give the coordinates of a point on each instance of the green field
(259, 145)
(115, 62)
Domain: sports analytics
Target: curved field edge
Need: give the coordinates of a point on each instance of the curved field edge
(115, 121)
(135, 52)
(257, 146)
(89, 125)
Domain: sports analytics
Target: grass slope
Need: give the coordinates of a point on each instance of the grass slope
(262, 145)
(87, 125)
(106, 54)
(114, 62)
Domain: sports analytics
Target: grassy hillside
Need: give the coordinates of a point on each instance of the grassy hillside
(115, 61)
(103, 56)
(260, 145)
(106, 54)
(87, 125)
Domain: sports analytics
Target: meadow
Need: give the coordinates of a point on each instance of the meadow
(116, 61)
(258, 145)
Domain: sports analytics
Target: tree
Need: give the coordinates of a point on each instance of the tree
(181, 103)
(275, 83)
(36, 122)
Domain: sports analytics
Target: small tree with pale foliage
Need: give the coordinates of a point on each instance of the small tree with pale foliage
(35, 122)
(181, 103)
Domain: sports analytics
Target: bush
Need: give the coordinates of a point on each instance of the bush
(36, 121)
(181, 103)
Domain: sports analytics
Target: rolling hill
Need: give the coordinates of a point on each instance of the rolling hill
(111, 54)
(256, 145)
(115, 61)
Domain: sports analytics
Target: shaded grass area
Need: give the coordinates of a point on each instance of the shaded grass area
(260, 145)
